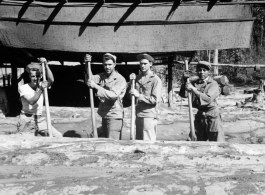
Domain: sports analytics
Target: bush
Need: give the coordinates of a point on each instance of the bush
(241, 78)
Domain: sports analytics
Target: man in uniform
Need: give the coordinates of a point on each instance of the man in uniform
(111, 88)
(148, 93)
(207, 123)
(32, 100)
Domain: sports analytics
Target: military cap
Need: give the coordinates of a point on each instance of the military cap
(35, 66)
(204, 64)
(110, 56)
(145, 56)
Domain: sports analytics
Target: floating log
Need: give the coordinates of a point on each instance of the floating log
(222, 80)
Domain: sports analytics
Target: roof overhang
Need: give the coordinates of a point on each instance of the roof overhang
(65, 31)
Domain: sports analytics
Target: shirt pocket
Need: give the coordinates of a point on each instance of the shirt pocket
(147, 88)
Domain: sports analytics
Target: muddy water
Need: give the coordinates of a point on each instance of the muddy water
(78, 165)
(36, 165)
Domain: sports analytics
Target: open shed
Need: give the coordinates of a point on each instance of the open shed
(66, 30)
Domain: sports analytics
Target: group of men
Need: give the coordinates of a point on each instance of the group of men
(111, 87)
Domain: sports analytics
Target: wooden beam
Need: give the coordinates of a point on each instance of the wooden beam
(230, 65)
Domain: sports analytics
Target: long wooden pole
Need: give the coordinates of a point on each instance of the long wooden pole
(93, 117)
(132, 78)
(229, 65)
(47, 108)
(190, 108)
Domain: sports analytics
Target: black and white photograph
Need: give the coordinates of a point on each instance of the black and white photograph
(132, 97)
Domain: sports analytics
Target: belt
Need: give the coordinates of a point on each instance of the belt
(30, 115)
(214, 112)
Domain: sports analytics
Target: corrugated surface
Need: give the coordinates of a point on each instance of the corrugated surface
(60, 28)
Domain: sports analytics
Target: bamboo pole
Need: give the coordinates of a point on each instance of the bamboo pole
(229, 65)
(190, 108)
(132, 133)
(47, 108)
(93, 117)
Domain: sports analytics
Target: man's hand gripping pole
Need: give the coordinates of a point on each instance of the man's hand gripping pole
(192, 131)
(93, 117)
(47, 107)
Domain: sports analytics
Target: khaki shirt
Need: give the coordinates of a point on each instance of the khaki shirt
(150, 88)
(112, 90)
(209, 92)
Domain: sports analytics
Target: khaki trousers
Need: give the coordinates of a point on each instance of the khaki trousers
(30, 122)
(111, 128)
(146, 128)
(208, 126)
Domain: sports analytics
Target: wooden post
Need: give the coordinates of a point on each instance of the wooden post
(91, 97)
(8, 80)
(132, 133)
(190, 108)
(215, 61)
(261, 86)
(47, 108)
(14, 100)
(14, 82)
(209, 56)
(170, 81)
(4, 81)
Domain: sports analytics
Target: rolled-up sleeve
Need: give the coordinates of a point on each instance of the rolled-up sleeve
(96, 78)
(210, 95)
(118, 90)
(155, 95)
(182, 91)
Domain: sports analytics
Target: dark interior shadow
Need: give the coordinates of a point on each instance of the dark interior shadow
(211, 4)
(173, 9)
(69, 88)
(126, 15)
(56, 10)
(23, 10)
(71, 133)
(90, 17)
